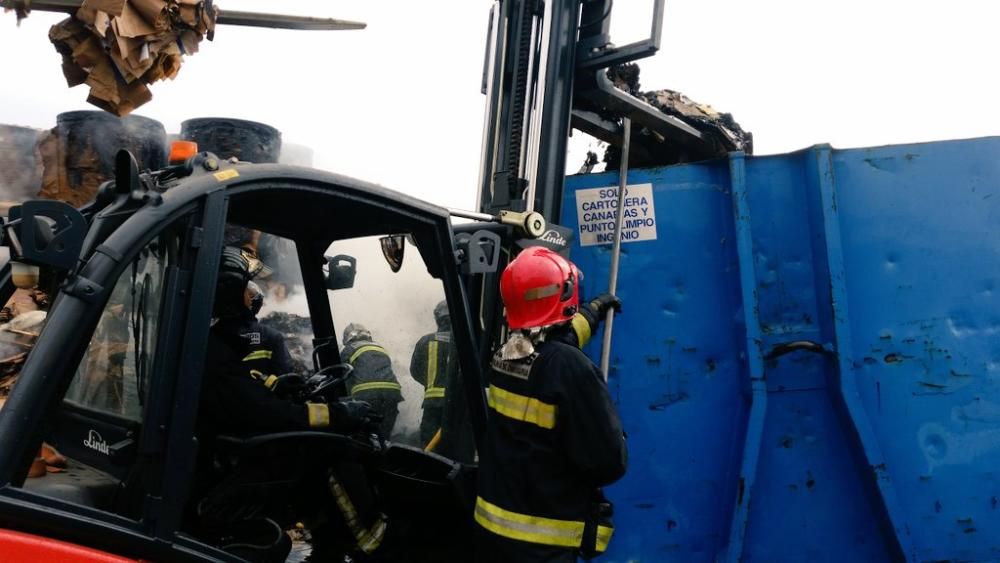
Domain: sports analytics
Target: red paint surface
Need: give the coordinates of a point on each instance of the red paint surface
(17, 547)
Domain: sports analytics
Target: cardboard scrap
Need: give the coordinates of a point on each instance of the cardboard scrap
(118, 47)
(109, 7)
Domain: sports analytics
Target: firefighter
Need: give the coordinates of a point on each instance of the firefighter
(431, 366)
(234, 398)
(372, 380)
(236, 401)
(553, 437)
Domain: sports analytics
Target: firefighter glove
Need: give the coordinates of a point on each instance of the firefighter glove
(597, 309)
(289, 385)
(353, 416)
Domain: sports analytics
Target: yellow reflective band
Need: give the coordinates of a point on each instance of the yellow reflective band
(319, 415)
(271, 381)
(582, 329)
(603, 538)
(346, 506)
(434, 393)
(256, 374)
(432, 363)
(258, 355)
(367, 540)
(519, 407)
(370, 540)
(534, 529)
(363, 349)
(375, 385)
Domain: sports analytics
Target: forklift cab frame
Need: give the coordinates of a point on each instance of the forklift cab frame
(154, 456)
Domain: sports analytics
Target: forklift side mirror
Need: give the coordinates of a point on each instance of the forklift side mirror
(342, 269)
(393, 247)
(45, 233)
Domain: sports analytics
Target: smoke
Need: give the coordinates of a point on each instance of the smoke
(299, 155)
(397, 308)
(20, 163)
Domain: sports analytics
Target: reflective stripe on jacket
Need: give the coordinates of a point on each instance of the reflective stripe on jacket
(535, 529)
(372, 370)
(430, 364)
(266, 351)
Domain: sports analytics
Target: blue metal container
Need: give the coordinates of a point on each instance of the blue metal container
(806, 365)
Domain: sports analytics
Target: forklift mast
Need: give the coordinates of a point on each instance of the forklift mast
(545, 71)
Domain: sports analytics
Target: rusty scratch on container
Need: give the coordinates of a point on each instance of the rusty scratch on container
(893, 358)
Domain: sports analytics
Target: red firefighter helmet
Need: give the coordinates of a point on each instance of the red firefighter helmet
(539, 289)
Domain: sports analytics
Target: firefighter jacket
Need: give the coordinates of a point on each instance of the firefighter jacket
(267, 355)
(553, 438)
(372, 377)
(431, 366)
(235, 401)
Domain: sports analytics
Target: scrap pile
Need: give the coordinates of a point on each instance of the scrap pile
(720, 129)
(297, 331)
(118, 47)
(17, 336)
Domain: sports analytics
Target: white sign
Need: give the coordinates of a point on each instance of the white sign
(596, 211)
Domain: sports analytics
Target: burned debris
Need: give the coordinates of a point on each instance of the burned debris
(244, 140)
(78, 154)
(718, 133)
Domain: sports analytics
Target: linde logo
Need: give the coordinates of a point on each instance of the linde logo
(553, 237)
(95, 442)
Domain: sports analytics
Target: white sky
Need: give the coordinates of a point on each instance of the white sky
(399, 103)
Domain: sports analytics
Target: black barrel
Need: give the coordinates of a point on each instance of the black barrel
(248, 141)
(20, 163)
(79, 154)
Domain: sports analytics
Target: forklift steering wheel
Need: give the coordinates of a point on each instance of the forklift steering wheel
(325, 380)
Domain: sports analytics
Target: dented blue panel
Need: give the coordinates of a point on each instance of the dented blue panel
(921, 243)
(806, 365)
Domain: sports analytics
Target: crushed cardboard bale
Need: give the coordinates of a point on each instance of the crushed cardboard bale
(119, 47)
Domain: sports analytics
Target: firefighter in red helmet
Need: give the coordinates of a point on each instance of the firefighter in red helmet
(553, 436)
